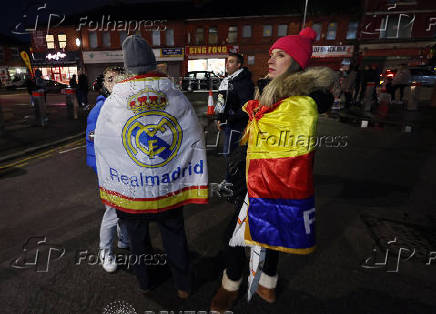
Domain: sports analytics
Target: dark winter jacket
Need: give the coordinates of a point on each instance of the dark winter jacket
(240, 90)
(90, 128)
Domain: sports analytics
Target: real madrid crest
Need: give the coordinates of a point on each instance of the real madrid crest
(152, 137)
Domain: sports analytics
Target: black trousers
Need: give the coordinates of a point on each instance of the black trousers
(235, 259)
(172, 229)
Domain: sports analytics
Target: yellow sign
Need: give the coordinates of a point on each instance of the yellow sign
(207, 50)
(26, 60)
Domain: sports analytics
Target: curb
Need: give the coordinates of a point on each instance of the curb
(32, 150)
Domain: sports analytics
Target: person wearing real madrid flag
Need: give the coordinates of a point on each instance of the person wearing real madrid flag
(151, 161)
(278, 214)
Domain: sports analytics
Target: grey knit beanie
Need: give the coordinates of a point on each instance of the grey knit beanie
(138, 55)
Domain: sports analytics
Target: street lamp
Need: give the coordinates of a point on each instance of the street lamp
(77, 42)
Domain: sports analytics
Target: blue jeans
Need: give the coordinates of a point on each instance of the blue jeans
(109, 225)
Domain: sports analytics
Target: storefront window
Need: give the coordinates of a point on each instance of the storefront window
(331, 31)
(50, 41)
(232, 36)
(267, 30)
(62, 39)
(352, 30)
(213, 36)
(216, 65)
(123, 35)
(93, 40)
(156, 38)
(199, 36)
(169, 37)
(246, 31)
(107, 39)
(317, 27)
(282, 30)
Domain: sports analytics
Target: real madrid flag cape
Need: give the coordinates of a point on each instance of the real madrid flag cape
(280, 212)
(149, 148)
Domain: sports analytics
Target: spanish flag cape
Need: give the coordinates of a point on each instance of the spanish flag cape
(149, 145)
(281, 208)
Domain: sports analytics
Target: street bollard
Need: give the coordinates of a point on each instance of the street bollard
(72, 105)
(40, 107)
(412, 101)
(369, 101)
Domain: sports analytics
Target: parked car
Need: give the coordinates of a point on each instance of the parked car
(200, 80)
(16, 82)
(423, 75)
(54, 87)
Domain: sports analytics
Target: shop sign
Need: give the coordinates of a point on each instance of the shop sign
(110, 56)
(210, 50)
(332, 51)
(58, 55)
(172, 52)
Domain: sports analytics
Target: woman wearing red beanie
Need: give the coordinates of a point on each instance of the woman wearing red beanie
(279, 211)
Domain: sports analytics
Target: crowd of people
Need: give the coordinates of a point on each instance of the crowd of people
(145, 143)
(351, 87)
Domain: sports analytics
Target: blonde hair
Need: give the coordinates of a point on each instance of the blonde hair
(276, 88)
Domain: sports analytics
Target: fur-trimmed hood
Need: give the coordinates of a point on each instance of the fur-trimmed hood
(305, 82)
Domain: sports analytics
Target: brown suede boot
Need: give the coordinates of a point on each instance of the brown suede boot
(226, 295)
(267, 288)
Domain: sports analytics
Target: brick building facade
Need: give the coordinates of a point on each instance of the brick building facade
(394, 32)
(11, 65)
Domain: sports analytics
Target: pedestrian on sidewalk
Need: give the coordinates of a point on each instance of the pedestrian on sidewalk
(82, 90)
(279, 177)
(400, 81)
(73, 82)
(234, 91)
(40, 101)
(348, 86)
(110, 224)
(151, 160)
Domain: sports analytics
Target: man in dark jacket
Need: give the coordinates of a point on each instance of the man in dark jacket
(82, 90)
(235, 90)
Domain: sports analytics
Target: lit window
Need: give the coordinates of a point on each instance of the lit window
(267, 30)
(123, 35)
(50, 41)
(352, 30)
(213, 36)
(199, 35)
(62, 39)
(156, 38)
(232, 36)
(318, 29)
(107, 39)
(169, 37)
(331, 31)
(246, 31)
(282, 30)
(93, 40)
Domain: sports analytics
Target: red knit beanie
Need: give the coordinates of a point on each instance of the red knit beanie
(299, 47)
